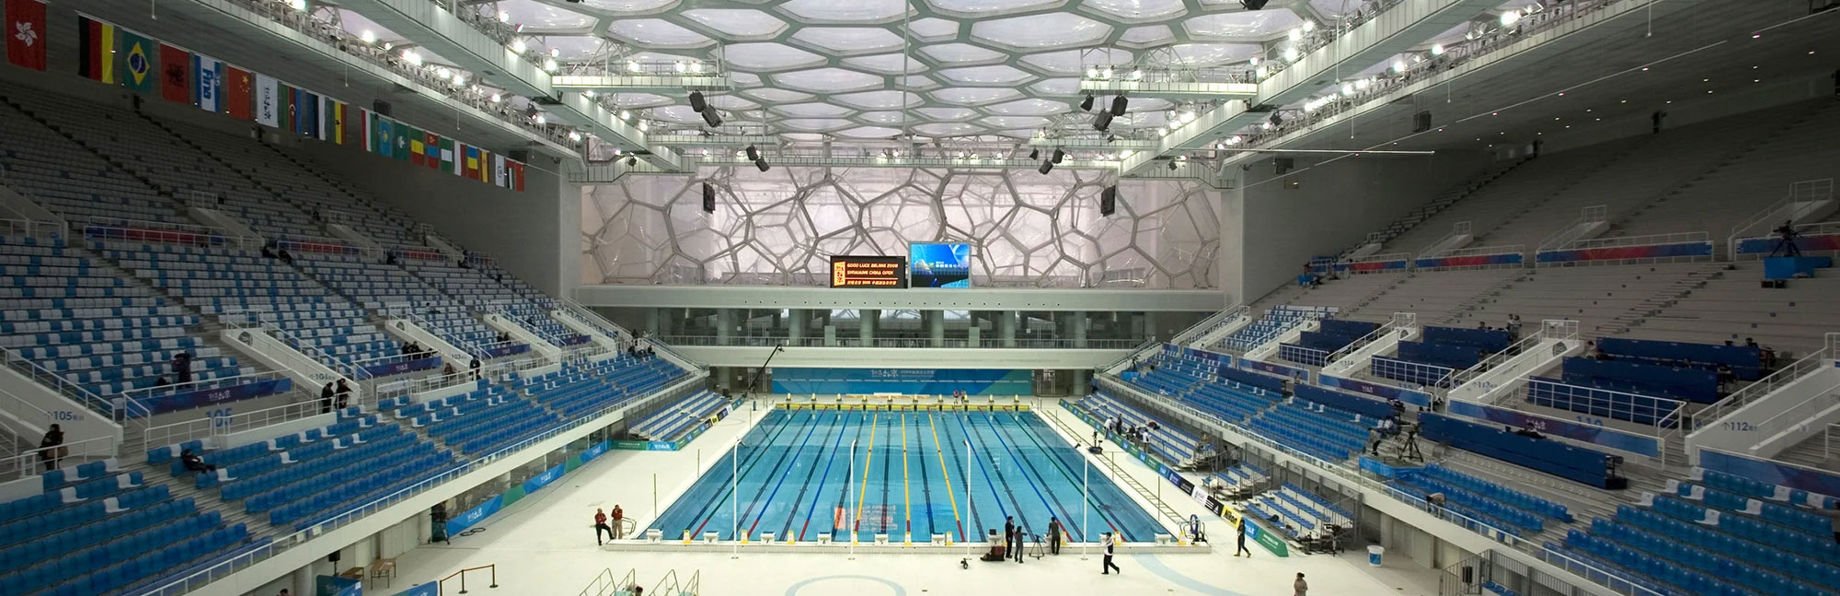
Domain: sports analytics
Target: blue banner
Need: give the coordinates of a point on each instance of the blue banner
(537, 482)
(906, 381)
(1578, 431)
(427, 589)
(1378, 468)
(1417, 398)
(402, 366)
(1301, 374)
(502, 351)
(1798, 478)
(460, 523)
(332, 585)
(187, 400)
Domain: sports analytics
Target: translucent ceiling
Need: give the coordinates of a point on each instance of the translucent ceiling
(861, 68)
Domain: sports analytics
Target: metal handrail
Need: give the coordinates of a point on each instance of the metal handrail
(1560, 329)
(56, 382)
(1372, 336)
(26, 463)
(223, 568)
(1559, 238)
(604, 584)
(1355, 478)
(1383, 257)
(1710, 415)
(1799, 414)
(901, 342)
(254, 319)
(146, 395)
(33, 228)
(1817, 189)
(206, 232)
(360, 367)
(1644, 240)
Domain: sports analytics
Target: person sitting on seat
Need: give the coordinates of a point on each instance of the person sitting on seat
(193, 463)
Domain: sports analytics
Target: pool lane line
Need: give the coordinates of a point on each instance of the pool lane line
(906, 498)
(704, 511)
(852, 422)
(740, 470)
(986, 472)
(1023, 467)
(863, 492)
(791, 459)
(1092, 503)
(953, 499)
(805, 486)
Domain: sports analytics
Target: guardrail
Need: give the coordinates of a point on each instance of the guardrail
(1208, 325)
(256, 320)
(1820, 189)
(110, 229)
(1400, 320)
(57, 382)
(1643, 240)
(1818, 360)
(1559, 329)
(30, 462)
(604, 584)
(137, 400)
(901, 342)
(1798, 414)
(33, 228)
(1377, 262)
(1354, 478)
(203, 577)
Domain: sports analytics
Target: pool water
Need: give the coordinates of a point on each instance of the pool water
(809, 473)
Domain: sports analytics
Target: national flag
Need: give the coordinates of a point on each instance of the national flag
(363, 127)
(498, 171)
(431, 145)
(25, 33)
(268, 101)
(418, 146)
(137, 62)
(175, 74)
(470, 168)
(238, 86)
(97, 38)
(285, 94)
(306, 113)
(485, 166)
(340, 125)
(447, 156)
(399, 141)
(208, 81)
(517, 176)
(383, 137)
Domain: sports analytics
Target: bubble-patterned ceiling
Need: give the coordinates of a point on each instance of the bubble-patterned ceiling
(929, 67)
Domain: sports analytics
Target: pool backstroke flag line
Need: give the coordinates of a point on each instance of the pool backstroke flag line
(113, 55)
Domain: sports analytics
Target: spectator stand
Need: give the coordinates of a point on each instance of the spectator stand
(1355, 356)
(1507, 368)
(1807, 201)
(1804, 370)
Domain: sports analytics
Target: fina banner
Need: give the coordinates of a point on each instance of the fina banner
(905, 381)
(208, 82)
(268, 101)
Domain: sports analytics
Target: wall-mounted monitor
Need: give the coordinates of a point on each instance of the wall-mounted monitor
(868, 271)
(939, 265)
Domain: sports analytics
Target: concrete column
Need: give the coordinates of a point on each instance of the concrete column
(725, 325)
(303, 580)
(653, 318)
(936, 326)
(800, 319)
(973, 336)
(866, 333)
(1150, 326)
(1006, 328)
(1078, 323)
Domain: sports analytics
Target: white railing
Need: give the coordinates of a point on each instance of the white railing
(1644, 240)
(255, 320)
(604, 584)
(1562, 237)
(1830, 442)
(1581, 400)
(110, 229)
(33, 228)
(31, 462)
(1799, 192)
(1797, 415)
(1559, 329)
(56, 382)
(147, 395)
(1400, 320)
(1819, 360)
(1352, 477)
(1212, 322)
(203, 577)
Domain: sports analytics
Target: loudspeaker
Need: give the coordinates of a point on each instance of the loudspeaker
(1102, 121)
(710, 117)
(1280, 165)
(752, 153)
(762, 164)
(1059, 155)
(380, 107)
(1108, 200)
(1045, 166)
(696, 102)
(1421, 121)
(1252, 4)
(333, 558)
(709, 198)
(1119, 104)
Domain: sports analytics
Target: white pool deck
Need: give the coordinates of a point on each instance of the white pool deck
(544, 544)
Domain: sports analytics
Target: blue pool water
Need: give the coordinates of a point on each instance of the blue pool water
(799, 480)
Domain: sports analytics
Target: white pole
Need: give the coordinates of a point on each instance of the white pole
(734, 483)
(850, 518)
(1085, 496)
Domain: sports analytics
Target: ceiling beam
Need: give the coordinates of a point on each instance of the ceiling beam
(716, 140)
(673, 84)
(1398, 29)
(578, 109)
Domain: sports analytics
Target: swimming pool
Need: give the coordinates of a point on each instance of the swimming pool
(801, 479)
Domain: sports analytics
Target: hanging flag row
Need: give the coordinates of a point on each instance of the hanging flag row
(118, 56)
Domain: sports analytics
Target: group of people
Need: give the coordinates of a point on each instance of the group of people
(613, 532)
(1015, 541)
(1513, 326)
(1135, 434)
(274, 250)
(334, 395)
(414, 349)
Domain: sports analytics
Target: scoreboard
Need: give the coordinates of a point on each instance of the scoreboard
(863, 271)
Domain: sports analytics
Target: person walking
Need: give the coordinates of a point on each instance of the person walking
(1108, 542)
(1242, 540)
(1009, 533)
(1021, 539)
(1300, 587)
(474, 365)
(325, 398)
(51, 448)
(1054, 535)
(619, 519)
(600, 526)
(344, 395)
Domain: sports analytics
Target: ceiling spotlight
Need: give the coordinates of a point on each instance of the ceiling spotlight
(696, 68)
(645, 126)
(1086, 104)
(540, 120)
(1119, 104)
(549, 64)
(443, 72)
(1399, 66)
(1137, 74)
(1107, 74)
(1437, 49)
(625, 114)
(504, 17)
(1296, 34)
(1092, 72)
(460, 78)
(678, 66)
(1034, 154)
(574, 136)
(494, 98)
(555, 52)
(1309, 26)
(367, 36)
(752, 153)
(1253, 61)
(1058, 155)
(1233, 140)
(1508, 19)
(1291, 54)
(411, 57)
(518, 46)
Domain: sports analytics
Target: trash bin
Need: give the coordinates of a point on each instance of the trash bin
(1374, 554)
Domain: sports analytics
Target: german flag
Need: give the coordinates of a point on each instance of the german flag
(97, 38)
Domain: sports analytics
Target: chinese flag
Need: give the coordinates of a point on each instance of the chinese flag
(239, 89)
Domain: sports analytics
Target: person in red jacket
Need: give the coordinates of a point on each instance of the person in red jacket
(600, 525)
(619, 530)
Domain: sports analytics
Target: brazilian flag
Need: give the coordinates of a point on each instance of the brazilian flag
(138, 67)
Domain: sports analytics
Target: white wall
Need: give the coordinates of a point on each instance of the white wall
(1333, 207)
